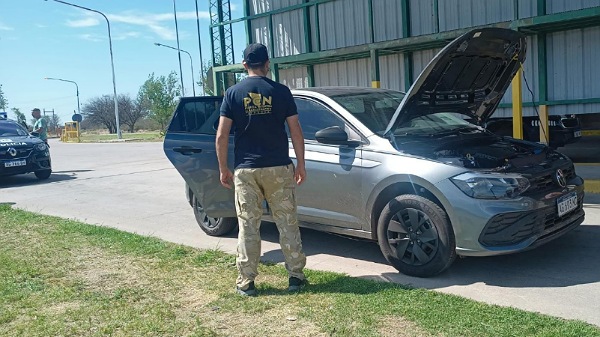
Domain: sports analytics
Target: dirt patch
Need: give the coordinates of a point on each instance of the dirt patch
(394, 326)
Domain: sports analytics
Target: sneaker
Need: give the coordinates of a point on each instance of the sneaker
(296, 284)
(249, 291)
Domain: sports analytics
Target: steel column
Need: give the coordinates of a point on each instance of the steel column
(517, 104)
(375, 78)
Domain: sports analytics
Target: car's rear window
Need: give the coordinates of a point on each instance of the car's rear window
(200, 117)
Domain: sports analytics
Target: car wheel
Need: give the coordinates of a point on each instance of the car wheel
(415, 236)
(212, 226)
(43, 174)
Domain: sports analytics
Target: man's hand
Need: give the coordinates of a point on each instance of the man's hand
(300, 174)
(226, 178)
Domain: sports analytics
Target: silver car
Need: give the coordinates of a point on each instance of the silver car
(408, 170)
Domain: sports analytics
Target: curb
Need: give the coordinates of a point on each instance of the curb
(590, 132)
(591, 185)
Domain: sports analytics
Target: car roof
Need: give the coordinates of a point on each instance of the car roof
(342, 90)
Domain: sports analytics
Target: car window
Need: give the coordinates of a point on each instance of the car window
(374, 109)
(314, 116)
(12, 129)
(200, 117)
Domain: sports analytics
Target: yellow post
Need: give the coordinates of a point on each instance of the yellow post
(544, 132)
(517, 103)
(375, 84)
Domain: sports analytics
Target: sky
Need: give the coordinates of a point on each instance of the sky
(40, 39)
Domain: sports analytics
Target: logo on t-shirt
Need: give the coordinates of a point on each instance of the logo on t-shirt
(257, 104)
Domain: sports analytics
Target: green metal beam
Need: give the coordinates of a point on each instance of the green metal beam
(405, 18)
(310, 71)
(515, 9)
(371, 23)
(555, 102)
(408, 70)
(271, 37)
(273, 12)
(542, 68)
(248, 23)
(541, 7)
(307, 29)
(317, 28)
(436, 16)
(559, 21)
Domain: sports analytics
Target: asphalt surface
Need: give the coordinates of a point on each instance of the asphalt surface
(132, 186)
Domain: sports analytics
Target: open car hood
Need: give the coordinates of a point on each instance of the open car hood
(469, 76)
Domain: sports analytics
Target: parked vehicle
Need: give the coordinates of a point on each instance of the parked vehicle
(21, 152)
(406, 170)
(562, 130)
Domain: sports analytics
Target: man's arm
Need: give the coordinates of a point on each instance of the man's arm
(298, 143)
(222, 144)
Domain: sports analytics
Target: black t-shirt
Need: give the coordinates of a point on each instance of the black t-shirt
(259, 107)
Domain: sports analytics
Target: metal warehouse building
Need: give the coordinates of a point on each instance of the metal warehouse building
(387, 43)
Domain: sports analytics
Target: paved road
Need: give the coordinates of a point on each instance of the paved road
(131, 186)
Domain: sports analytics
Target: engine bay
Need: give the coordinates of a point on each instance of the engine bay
(481, 150)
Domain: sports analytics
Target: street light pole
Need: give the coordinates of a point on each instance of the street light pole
(191, 62)
(112, 63)
(76, 87)
(200, 49)
(178, 50)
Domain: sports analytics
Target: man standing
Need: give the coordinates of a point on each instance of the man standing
(258, 108)
(41, 125)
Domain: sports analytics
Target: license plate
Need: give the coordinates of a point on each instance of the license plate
(577, 134)
(566, 203)
(15, 163)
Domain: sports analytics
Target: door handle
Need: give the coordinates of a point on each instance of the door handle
(186, 150)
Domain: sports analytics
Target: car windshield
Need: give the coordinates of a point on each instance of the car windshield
(433, 123)
(374, 109)
(12, 129)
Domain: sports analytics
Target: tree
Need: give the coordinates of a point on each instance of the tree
(3, 100)
(133, 111)
(54, 122)
(19, 116)
(161, 94)
(101, 111)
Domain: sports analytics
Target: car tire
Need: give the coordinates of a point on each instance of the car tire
(415, 236)
(43, 174)
(212, 226)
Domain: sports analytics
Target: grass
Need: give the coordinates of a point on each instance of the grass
(63, 278)
(152, 136)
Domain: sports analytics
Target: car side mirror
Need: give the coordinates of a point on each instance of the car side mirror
(335, 135)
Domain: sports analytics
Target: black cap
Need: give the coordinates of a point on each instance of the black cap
(36, 109)
(256, 54)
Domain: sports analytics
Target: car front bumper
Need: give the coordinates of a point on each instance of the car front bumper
(496, 227)
(35, 161)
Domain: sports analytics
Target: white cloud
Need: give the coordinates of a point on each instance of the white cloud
(91, 37)
(160, 24)
(5, 27)
(39, 25)
(85, 22)
(127, 35)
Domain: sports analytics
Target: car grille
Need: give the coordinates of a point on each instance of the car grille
(546, 181)
(21, 153)
(513, 228)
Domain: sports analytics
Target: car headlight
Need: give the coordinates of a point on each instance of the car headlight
(40, 147)
(491, 186)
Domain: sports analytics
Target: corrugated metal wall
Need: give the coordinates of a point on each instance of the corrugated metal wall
(344, 23)
(557, 6)
(391, 71)
(346, 73)
(573, 70)
(455, 14)
(294, 77)
(388, 25)
(422, 19)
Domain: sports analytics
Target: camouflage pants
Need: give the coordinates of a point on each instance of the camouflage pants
(276, 185)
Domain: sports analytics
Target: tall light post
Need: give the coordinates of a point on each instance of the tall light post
(191, 62)
(76, 87)
(112, 63)
(178, 50)
(200, 48)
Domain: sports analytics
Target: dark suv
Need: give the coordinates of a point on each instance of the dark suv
(21, 152)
